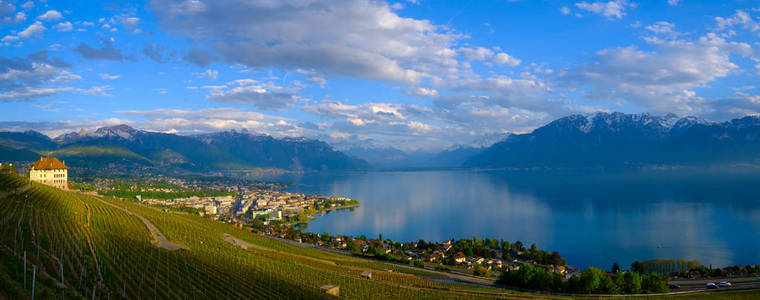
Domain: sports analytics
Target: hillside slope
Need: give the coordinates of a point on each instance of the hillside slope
(98, 248)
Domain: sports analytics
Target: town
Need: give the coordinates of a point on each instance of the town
(263, 208)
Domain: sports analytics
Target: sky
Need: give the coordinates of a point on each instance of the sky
(414, 75)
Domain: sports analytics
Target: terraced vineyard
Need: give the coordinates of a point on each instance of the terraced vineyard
(85, 246)
(64, 245)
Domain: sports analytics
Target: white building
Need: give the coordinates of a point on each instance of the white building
(210, 209)
(50, 171)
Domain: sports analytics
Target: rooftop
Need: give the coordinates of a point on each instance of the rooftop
(49, 163)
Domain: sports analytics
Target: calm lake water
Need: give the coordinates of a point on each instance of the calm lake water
(592, 218)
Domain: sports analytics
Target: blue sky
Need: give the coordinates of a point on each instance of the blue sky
(409, 74)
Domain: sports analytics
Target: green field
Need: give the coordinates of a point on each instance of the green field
(84, 248)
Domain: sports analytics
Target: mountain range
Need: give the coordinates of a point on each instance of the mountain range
(618, 139)
(231, 150)
(576, 141)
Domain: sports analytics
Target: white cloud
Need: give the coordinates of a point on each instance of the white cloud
(64, 26)
(34, 29)
(217, 119)
(422, 92)
(373, 42)
(9, 38)
(506, 59)
(564, 10)
(50, 15)
(28, 5)
(662, 27)
(673, 2)
(488, 56)
(210, 74)
(662, 80)
(740, 17)
(247, 91)
(608, 9)
(107, 76)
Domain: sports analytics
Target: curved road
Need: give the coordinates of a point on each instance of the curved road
(160, 239)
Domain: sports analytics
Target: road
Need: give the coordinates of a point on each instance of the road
(160, 239)
(700, 284)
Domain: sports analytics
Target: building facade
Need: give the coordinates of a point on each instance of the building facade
(50, 171)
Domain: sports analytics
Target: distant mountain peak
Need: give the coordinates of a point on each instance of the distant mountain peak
(124, 131)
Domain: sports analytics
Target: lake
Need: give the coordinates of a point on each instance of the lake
(593, 218)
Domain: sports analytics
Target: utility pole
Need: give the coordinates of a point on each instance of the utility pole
(34, 279)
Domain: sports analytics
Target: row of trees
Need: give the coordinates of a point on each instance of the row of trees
(691, 268)
(590, 281)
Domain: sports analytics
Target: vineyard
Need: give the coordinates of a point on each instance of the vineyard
(64, 245)
(60, 244)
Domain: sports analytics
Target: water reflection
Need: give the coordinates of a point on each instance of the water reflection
(592, 218)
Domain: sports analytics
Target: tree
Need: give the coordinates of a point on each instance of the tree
(556, 259)
(615, 267)
(518, 246)
(628, 282)
(481, 271)
(653, 283)
(637, 267)
(419, 264)
(302, 217)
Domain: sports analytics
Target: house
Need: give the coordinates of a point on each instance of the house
(446, 246)
(50, 171)
(210, 209)
(459, 257)
(436, 256)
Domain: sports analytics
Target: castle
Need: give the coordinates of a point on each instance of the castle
(50, 171)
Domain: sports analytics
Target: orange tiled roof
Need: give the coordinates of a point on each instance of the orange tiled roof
(49, 163)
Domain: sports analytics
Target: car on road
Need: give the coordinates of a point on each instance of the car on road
(724, 284)
(674, 286)
(711, 286)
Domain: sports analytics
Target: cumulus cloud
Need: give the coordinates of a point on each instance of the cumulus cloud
(51, 15)
(64, 26)
(740, 18)
(662, 27)
(610, 9)
(35, 29)
(217, 119)
(422, 92)
(662, 80)
(247, 91)
(415, 126)
(38, 75)
(489, 56)
(108, 52)
(8, 14)
(372, 41)
(210, 74)
(107, 76)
